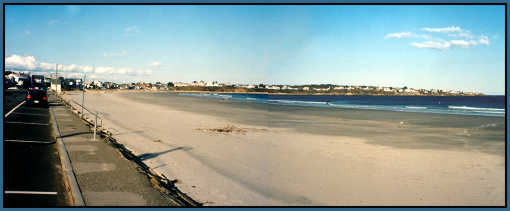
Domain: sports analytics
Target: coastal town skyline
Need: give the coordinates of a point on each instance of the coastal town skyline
(18, 77)
(439, 47)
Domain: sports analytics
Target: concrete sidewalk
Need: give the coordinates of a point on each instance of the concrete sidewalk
(104, 177)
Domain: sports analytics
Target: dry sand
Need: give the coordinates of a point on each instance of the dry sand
(332, 157)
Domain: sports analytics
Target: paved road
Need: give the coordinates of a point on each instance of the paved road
(32, 168)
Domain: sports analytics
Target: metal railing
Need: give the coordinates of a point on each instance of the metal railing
(96, 115)
(164, 185)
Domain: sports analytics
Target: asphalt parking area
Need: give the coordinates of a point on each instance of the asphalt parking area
(31, 165)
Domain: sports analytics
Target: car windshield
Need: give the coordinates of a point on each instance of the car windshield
(37, 92)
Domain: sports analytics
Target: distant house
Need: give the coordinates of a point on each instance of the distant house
(95, 84)
(198, 83)
(339, 88)
(273, 87)
(321, 89)
(260, 86)
(181, 84)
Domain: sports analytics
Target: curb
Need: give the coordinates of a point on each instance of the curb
(66, 164)
(159, 181)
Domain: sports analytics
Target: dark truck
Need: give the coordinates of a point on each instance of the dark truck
(37, 82)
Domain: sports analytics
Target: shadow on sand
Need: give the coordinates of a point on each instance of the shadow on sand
(146, 156)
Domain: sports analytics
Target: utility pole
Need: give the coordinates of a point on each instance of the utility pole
(56, 77)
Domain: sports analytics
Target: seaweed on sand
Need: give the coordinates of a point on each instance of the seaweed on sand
(230, 129)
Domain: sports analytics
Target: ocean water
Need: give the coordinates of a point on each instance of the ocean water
(464, 105)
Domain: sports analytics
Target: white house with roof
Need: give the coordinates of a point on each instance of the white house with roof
(181, 84)
(273, 87)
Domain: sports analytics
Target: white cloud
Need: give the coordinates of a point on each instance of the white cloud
(121, 53)
(131, 30)
(28, 32)
(462, 34)
(155, 64)
(70, 68)
(445, 29)
(87, 69)
(432, 45)
(484, 40)
(123, 71)
(148, 72)
(459, 38)
(143, 72)
(74, 75)
(399, 35)
(47, 66)
(15, 61)
(104, 70)
(51, 22)
(31, 64)
(463, 43)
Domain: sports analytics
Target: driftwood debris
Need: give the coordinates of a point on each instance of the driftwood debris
(230, 129)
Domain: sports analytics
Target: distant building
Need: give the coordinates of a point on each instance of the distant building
(273, 87)
(339, 88)
(181, 84)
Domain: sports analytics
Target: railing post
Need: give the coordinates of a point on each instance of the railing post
(95, 128)
(82, 100)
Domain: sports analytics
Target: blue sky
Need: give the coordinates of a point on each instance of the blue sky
(446, 47)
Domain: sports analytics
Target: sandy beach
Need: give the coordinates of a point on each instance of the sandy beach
(290, 155)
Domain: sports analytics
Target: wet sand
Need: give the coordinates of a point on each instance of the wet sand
(293, 155)
(434, 131)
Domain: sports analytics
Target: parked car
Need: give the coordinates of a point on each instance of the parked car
(36, 97)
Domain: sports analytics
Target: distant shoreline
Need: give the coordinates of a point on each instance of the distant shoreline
(270, 93)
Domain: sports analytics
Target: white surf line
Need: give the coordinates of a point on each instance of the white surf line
(28, 123)
(25, 141)
(31, 192)
(7, 114)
